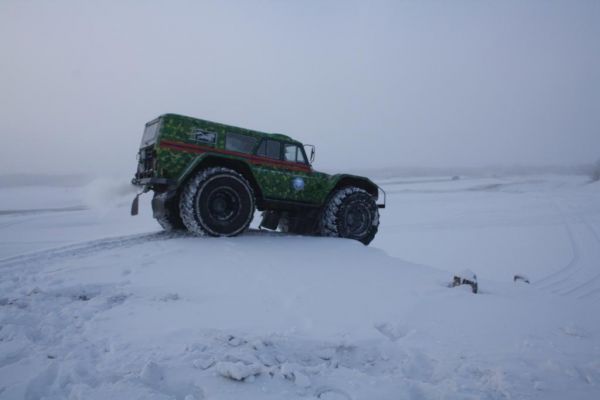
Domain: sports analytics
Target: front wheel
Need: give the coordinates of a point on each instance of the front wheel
(351, 213)
(217, 201)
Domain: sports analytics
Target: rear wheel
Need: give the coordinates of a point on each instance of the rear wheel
(351, 213)
(217, 201)
(171, 221)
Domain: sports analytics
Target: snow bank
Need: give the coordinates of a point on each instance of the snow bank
(131, 312)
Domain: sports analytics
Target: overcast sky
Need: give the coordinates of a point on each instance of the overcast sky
(372, 84)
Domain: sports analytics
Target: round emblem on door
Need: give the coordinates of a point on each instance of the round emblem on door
(298, 183)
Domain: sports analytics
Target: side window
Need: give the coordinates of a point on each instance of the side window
(273, 149)
(262, 149)
(240, 143)
(294, 153)
(269, 148)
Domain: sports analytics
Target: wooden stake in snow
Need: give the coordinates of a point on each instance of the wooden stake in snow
(466, 277)
(521, 278)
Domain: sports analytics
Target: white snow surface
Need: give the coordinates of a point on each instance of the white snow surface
(95, 304)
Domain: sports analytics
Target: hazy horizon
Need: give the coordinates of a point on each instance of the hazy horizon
(372, 84)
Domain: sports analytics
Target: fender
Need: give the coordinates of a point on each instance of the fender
(239, 164)
(339, 181)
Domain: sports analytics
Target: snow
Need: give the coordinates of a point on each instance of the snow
(467, 274)
(95, 304)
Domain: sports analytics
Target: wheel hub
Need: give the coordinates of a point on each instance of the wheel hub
(223, 204)
(358, 219)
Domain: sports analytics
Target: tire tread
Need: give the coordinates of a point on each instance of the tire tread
(187, 199)
(329, 219)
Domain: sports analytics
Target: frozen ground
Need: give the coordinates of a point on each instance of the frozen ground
(95, 304)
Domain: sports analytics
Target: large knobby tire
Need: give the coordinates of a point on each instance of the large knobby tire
(351, 213)
(172, 221)
(218, 201)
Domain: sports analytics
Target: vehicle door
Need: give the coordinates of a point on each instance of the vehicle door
(305, 186)
(269, 169)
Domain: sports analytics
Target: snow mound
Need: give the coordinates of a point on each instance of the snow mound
(97, 305)
(237, 370)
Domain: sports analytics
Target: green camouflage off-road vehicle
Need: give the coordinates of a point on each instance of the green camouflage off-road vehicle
(209, 178)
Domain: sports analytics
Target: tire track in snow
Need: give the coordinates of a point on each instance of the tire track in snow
(557, 276)
(577, 267)
(592, 293)
(581, 276)
(595, 279)
(87, 248)
(94, 246)
(590, 276)
(16, 221)
(596, 291)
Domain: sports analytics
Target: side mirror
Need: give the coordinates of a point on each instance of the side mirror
(312, 152)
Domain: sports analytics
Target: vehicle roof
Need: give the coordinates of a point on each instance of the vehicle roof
(231, 128)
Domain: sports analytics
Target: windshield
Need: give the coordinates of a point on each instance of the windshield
(294, 153)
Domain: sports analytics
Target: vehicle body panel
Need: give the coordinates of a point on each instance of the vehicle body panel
(183, 144)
